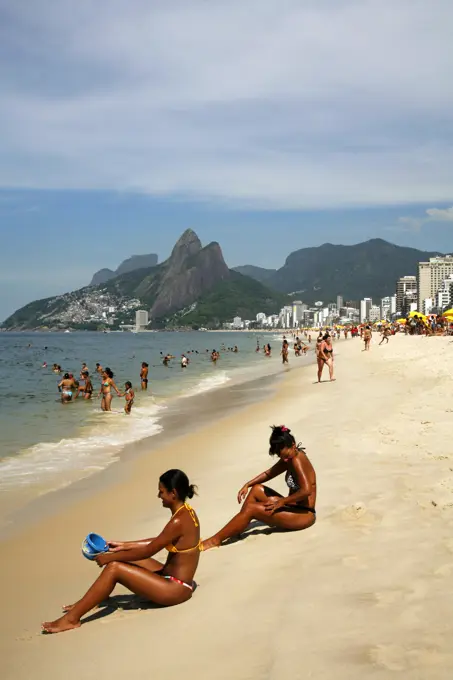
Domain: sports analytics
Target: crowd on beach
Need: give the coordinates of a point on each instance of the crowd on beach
(71, 387)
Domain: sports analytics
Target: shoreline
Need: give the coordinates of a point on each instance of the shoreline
(378, 438)
(180, 415)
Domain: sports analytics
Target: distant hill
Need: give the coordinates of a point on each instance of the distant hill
(368, 269)
(257, 273)
(194, 282)
(129, 265)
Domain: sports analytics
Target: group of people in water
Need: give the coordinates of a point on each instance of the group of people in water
(71, 388)
(132, 563)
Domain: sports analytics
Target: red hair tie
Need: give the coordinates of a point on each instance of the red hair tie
(284, 429)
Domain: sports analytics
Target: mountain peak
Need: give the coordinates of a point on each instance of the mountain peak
(186, 246)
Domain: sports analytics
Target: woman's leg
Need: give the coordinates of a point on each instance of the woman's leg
(108, 402)
(253, 508)
(320, 368)
(149, 564)
(140, 581)
(330, 364)
(103, 403)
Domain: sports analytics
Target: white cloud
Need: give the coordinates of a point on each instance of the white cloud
(267, 103)
(433, 215)
(438, 215)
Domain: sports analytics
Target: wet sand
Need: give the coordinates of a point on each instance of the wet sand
(365, 593)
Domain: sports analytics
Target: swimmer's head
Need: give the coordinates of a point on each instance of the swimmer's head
(66, 376)
(174, 485)
(108, 372)
(282, 442)
(144, 364)
(128, 384)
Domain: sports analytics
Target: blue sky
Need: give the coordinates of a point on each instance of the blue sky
(267, 125)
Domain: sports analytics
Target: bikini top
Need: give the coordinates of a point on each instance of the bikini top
(291, 482)
(172, 548)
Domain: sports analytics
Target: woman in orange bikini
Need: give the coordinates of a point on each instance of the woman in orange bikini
(294, 512)
(131, 563)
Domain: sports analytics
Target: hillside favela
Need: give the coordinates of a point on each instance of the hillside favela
(226, 340)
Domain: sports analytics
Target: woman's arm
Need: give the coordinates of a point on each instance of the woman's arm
(273, 472)
(114, 387)
(141, 550)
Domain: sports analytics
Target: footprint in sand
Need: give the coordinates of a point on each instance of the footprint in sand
(400, 658)
(355, 515)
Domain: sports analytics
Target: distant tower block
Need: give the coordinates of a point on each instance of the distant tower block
(141, 319)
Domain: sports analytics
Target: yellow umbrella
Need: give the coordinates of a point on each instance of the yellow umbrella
(401, 321)
(449, 312)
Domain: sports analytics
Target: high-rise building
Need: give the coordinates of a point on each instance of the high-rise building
(141, 319)
(431, 274)
(445, 294)
(365, 309)
(404, 285)
(375, 313)
(339, 302)
(388, 307)
(298, 309)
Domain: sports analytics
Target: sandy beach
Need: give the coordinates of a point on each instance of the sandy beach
(365, 593)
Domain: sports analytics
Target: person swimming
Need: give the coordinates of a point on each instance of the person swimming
(293, 512)
(132, 565)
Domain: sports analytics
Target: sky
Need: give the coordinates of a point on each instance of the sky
(266, 125)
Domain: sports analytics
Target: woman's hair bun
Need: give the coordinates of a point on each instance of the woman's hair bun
(280, 428)
(191, 491)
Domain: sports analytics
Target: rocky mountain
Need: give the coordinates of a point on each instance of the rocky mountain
(257, 273)
(368, 269)
(129, 265)
(174, 287)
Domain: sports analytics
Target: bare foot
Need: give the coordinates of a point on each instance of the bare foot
(212, 542)
(60, 625)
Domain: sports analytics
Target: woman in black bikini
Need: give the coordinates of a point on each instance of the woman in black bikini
(293, 512)
(327, 349)
(131, 563)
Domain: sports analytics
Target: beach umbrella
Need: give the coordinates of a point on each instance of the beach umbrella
(402, 321)
(449, 312)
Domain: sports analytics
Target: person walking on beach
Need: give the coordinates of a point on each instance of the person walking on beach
(284, 352)
(320, 356)
(327, 350)
(385, 335)
(131, 563)
(144, 375)
(367, 338)
(105, 391)
(293, 512)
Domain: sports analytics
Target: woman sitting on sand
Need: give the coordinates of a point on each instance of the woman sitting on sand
(293, 512)
(131, 564)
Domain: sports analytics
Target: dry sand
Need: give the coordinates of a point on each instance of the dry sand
(365, 593)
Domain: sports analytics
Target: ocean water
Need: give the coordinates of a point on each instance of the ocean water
(42, 439)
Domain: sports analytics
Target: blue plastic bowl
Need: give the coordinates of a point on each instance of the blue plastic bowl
(94, 545)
